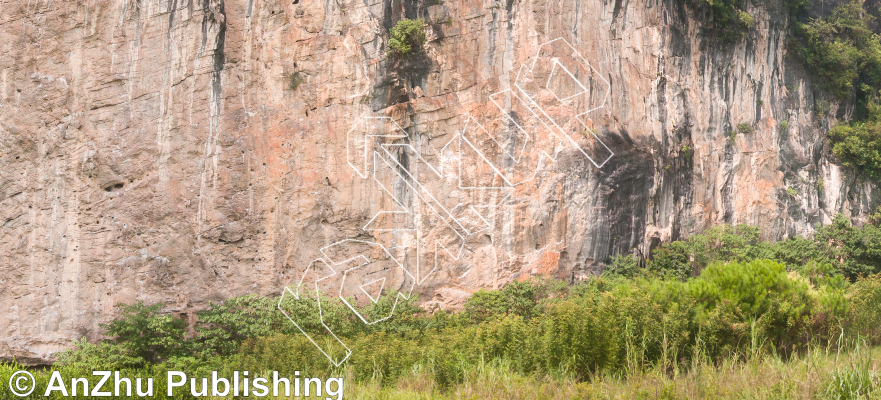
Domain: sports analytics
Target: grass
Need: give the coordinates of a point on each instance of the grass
(820, 373)
(824, 371)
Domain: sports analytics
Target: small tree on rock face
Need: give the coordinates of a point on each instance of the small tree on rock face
(406, 36)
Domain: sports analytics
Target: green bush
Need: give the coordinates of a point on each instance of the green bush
(736, 307)
(102, 356)
(147, 334)
(406, 35)
(852, 251)
(672, 260)
(224, 326)
(624, 265)
(752, 286)
(863, 311)
(858, 145)
(515, 298)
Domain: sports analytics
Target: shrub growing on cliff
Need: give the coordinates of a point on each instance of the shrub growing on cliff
(844, 53)
(406, 36)
(728, 20)
(858, 145)
(295, 79)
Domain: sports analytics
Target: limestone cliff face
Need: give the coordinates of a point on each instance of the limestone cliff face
(158, 150)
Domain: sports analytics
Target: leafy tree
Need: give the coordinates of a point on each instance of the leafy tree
(672, 260)
(855, 251)
(796, 251)
(679, 259)
(624, 265)
(147, 334)
(222, 327)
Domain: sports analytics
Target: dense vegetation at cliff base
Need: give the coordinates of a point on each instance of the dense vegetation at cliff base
(723, 299)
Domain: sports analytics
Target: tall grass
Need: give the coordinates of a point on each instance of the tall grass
(819, 373)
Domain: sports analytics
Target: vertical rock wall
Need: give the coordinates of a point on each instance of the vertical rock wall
(157, 150)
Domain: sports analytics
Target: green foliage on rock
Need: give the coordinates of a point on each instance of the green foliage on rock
(406, 37)
(843, 51)
(295, 79)
(858, 145)
(728, 20)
